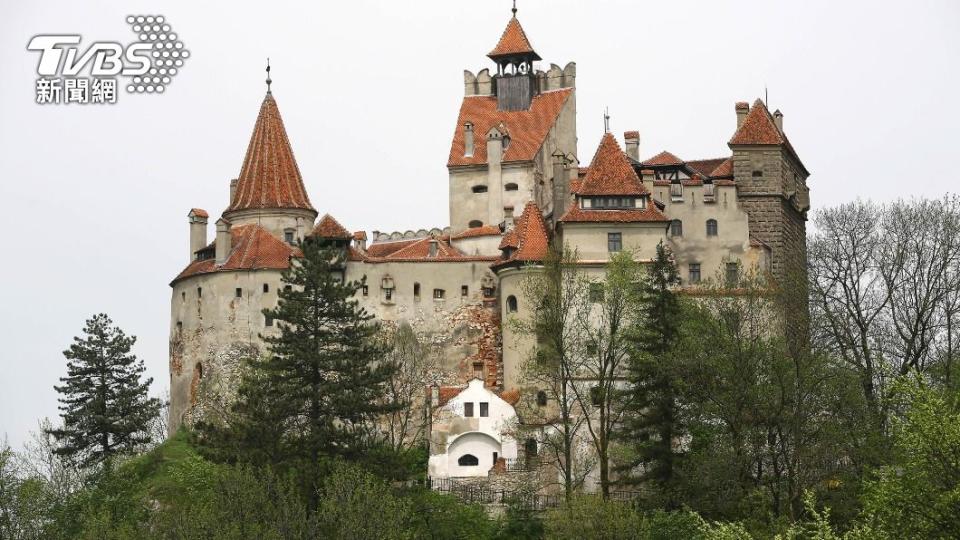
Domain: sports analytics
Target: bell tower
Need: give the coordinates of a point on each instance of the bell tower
(515, 83)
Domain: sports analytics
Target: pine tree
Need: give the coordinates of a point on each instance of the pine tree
(651, 423)
(105, 408)
(326, 374)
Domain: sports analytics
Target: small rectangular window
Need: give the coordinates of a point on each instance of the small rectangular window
(268, 320)
(676, 190)
(288, 288)
(694, 272)
(464, 290)
(266, 288)
(288, 236)
(468, 410)
(484, 409)
(238, 293)
(366, 290)
(438, 294)
(416, 291)
(183, 296)
(179, 326)
(388, 294)
(199, 292)
(757, 174)
(478, 370)
(614, 242)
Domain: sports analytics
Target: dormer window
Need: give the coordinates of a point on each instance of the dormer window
(709, 192)
(612, 203)
(506, 142)
(676, 190)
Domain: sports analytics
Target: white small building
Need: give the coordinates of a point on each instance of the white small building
(470, 431)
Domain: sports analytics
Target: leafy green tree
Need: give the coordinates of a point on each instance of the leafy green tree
(105, 408)
(918, 496)
(651, 420)
(354, 504)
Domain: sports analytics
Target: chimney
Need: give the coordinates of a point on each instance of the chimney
(507, 217)
(198, 230)
(223, 241)
(495, 139)
(631, 140)
(742, 109)
(778, 119)
(468, 139)
(233, 191)
(433, 247)
(300, 228)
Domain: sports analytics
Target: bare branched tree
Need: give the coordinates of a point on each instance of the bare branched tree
(405, 428)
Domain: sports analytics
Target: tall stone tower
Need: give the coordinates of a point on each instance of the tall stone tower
(516, 137)
(216, 309)
(771, 186)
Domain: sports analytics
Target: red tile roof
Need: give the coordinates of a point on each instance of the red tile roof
(610, 173)
(486, 230)
(529, 236)
(446, 393)
(585, 215)
(663, 158)
(706, 166)
(328, 227)
(251, 248)
(198, 212)
(269, 177)
(723, 170)
(418, 250)
(382, 249)
(758, 128)
(360, 235)
(513, 42)
(528, 129)
(511, 396)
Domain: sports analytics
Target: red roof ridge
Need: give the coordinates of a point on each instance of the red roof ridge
(484, 230)
(251, 248)
(610, 172)
(663, 158)
(513, 41)
(269, 177)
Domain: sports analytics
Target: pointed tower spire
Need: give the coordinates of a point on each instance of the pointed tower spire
(269, 177)
(513, 44)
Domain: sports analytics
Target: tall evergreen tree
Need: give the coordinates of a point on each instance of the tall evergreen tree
(326, 374)
(104, 402)
(651, 423)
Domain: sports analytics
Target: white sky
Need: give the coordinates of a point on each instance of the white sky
(94, 199)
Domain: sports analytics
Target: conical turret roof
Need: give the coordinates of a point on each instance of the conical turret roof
(513, 42)
(269, 177)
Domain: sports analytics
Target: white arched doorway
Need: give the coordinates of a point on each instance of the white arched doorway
(472, 454)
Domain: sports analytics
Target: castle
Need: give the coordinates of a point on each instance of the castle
(515, 181)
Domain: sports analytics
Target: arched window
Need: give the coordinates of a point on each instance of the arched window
(511, 304)
(511, 187)
(711, 227)
(468, 460)
(475, 223)
(676, 228)
(479, 189)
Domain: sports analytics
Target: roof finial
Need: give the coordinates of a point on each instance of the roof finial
(606, 120)
(514, 10)
(269, 80)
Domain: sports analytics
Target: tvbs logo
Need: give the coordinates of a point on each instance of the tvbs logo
(147, 65)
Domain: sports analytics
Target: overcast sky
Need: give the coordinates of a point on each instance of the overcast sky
(94, 198)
